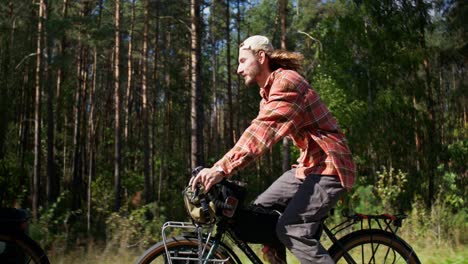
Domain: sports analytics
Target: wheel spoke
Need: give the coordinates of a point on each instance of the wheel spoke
(373, 247)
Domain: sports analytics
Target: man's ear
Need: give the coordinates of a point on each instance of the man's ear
(261, 56)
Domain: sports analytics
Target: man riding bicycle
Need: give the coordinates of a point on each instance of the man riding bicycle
(290, 108)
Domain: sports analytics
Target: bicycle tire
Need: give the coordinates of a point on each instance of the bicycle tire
(373, 246)
(185, 247)
(22, 249)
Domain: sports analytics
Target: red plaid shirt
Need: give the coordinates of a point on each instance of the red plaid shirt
(289, 107)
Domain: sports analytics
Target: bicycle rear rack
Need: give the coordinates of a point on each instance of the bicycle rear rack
(384, 222)
(203, 244)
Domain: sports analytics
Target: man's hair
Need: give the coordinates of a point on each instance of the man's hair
(285, 59)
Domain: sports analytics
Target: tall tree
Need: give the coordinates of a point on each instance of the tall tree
(229, 82)
(37, 113)
(91, 139)
(144, 109)
(129, 72)
(196, 109)
(79, 113)
(117, 146)
(214, 144)
(53, 185)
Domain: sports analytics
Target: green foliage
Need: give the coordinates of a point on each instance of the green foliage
(347, 111)
(102, 196)
(386, 196)
(390, 188)
(451, 195)
(54, 228)
(138, 227)
(458, 155)
(13, 182)
(393, 73)
(363, 200)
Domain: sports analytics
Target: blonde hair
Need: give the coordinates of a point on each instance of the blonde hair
(285, 59)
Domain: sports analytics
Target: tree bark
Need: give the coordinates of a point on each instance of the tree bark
(129, 73)
(229, 82)
(117, 157)
(196, 110)
(37, 115)
(146, 144)
(52, 186)
(432, 144)
(91, 141)
(214, 65)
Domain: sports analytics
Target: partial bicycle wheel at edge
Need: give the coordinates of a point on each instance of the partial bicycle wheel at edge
(182, 250)
(373, 246)
(19, 248)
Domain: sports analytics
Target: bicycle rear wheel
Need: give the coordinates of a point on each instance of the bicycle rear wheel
(17, 247)
(373, 246)
(182, 250)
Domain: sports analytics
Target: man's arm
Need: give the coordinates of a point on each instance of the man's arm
(278, 116)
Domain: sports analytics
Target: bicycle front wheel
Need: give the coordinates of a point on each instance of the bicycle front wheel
(182, 250)
(372, 246)
(17, 247)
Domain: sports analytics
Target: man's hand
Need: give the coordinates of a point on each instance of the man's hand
(208, 178)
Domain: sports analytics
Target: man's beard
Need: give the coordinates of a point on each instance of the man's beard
(250, 79)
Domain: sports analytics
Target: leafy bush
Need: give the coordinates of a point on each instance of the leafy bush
(391, 187)
(364, 200)
(54, 228)
(139, 227)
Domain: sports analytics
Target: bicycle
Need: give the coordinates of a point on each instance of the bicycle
(15, 245)
(376, 242)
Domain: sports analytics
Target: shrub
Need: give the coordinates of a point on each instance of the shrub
(139, 227)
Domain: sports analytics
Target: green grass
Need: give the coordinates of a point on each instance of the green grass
(430, 246)
(428, 251)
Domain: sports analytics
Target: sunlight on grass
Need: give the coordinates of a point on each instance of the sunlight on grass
(430, 248)
(95, 255)
(428, 252)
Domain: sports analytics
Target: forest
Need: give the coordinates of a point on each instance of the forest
(106, 106)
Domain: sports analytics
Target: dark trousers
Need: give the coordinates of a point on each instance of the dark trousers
(305, 203)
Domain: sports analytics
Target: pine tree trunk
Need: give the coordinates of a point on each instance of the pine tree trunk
(196, 109)
(37, 115)
(91, 141)
(146, 145)
(129, 73)
(117, 157)
(52, 186)
(80, 94)
(229, 82)
(25, 105)
(432, 144)
(214, 113)
(59, 124)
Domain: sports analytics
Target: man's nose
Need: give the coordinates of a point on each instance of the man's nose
(239, 70)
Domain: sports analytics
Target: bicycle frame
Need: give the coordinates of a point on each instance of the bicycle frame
(209, 243)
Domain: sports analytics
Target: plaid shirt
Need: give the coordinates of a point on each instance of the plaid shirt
(289, 107)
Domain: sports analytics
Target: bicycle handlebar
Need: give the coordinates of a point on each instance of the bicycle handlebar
(219, 204)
